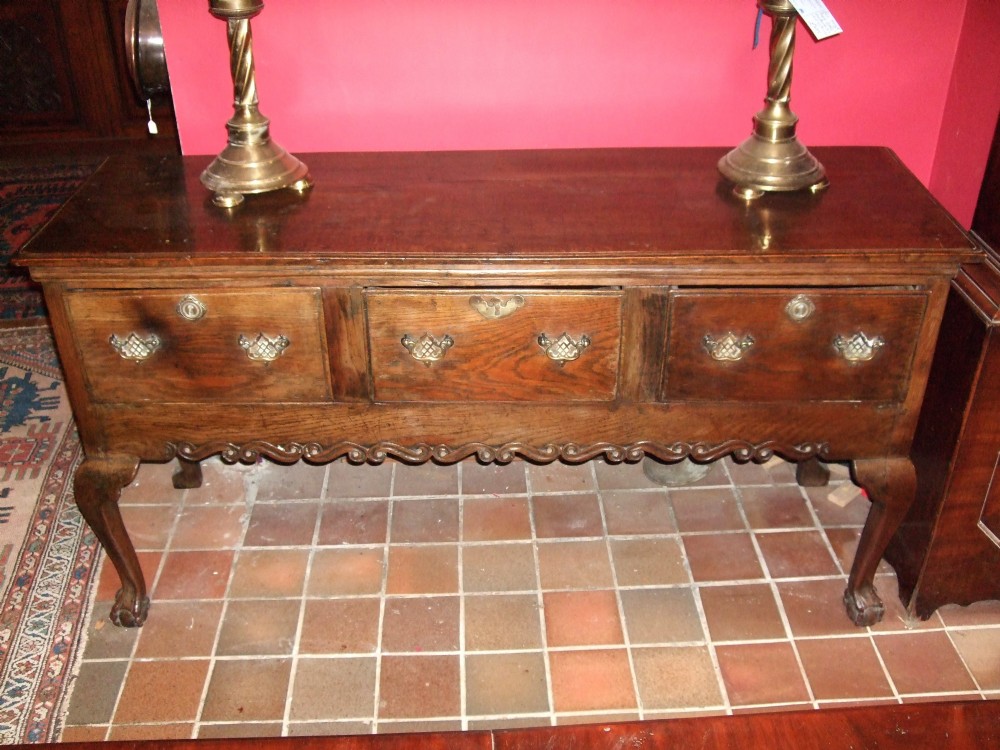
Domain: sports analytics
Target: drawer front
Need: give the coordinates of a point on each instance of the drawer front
(791, 345)
(504, 345)
(246, 346)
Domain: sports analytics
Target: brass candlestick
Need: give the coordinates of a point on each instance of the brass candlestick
(772, 158)
(251, 162)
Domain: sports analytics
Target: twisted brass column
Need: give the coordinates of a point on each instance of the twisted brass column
(772, 158)
(251, 162)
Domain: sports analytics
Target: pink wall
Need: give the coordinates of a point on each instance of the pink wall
(467, 74)
(970, 113)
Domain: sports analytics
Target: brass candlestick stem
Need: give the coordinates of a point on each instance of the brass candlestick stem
(251, 162)
(772, 158)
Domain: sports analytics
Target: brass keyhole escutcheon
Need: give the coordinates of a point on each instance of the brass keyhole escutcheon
(191, 308)
(800, 307)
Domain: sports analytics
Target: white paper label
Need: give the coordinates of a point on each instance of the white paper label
(151, 125)
(817, 17)
(844, 494)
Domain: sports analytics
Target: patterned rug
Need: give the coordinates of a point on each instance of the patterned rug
(47, 553)
(29, 196)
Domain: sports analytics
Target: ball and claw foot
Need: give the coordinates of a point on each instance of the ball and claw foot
(129, 612)
(864, 606)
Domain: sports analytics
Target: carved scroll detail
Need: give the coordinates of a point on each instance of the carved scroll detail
(356, 453)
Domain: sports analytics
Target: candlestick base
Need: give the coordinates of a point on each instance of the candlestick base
(251, 162)
(244, 169)
(760, 165)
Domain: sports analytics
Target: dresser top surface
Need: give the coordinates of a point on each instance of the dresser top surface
(655, 205)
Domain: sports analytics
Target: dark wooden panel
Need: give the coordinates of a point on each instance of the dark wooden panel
(202, 360)
(940, 552)
(986, 221)
(495, 359)
(850, 430)
(644, 333)
(35, 88)
(65, 79)
(597, 211)
(347, 339)
(785, 358)
(990, 517)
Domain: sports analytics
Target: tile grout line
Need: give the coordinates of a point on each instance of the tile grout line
(710, 646)
(540, 601)
(128, 667)
(622, 621)
(822, 529)
(462, 698)
(250, 488)
(167, 544)
(965, 663)
(383, 593)
(304, 599)
(492, 652)
(286, 724)
(840, 567)
(776, 593)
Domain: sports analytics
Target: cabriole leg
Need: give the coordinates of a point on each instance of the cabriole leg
(97, 486)
(891, 485)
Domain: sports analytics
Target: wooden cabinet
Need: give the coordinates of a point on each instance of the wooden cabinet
(545, 305)
(65, 77)
(947, 550)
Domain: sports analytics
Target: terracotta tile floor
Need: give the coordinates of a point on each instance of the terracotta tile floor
(345, 599)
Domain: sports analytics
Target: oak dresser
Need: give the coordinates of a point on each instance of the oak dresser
(537, 305)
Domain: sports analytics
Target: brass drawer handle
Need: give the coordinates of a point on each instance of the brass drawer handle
(264, 348)
(191, 308)
(563, 349)
(427, 349)
(493, 308)
(729, 348)
(134, 347)
(859, 347)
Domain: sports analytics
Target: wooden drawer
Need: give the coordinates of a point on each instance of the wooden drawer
(789, 345)
(495, 345)
(216, 353)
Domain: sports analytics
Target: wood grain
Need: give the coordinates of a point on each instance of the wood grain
(495, 359)
(792, 359)
(957, 726)
(201, 360)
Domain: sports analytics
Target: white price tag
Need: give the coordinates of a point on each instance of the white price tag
(844, 494)
(151, 125)
(817, 17)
